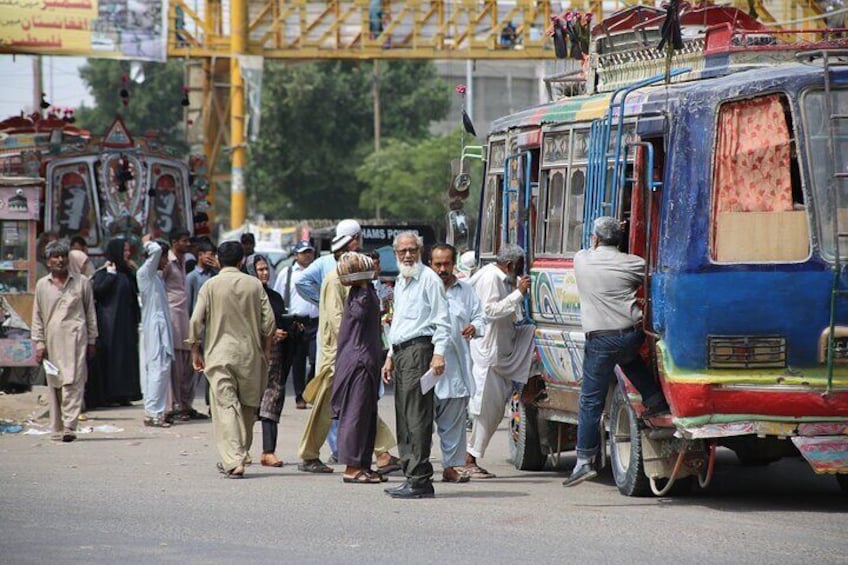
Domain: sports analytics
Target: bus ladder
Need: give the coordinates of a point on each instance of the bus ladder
(838, 182)
(598, 203)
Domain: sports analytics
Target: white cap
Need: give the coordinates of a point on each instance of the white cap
(349, 228)
(346, 230)
(467, 261)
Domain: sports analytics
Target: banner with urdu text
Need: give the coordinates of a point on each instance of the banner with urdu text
(117, 29)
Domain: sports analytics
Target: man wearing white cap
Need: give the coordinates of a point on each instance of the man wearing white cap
(304, 323)
(347, 238)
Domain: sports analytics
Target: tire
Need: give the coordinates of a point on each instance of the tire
(625, 443)
(524, 444)
(842, 479)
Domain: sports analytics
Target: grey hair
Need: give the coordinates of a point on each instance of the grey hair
(509, 254)
(607, 230)
(55, 248)
(418, 239)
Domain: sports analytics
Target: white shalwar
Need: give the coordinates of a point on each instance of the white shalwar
(502, 356)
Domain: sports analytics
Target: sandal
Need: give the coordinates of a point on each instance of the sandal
(390, 467)
(156, 423)
(477, 472)
(232, 473)
(362, 477)
(383, 478)
(314, 466)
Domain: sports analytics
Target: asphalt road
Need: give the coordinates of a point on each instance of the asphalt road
(154, 496)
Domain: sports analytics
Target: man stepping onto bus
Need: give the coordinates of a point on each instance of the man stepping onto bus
(607, 281)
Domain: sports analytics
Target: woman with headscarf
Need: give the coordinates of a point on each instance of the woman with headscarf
(271, 406)
(79, 263)
(356, 384)
(116, 369)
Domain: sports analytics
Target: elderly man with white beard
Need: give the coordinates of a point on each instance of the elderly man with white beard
(419, 336)
(503, 355)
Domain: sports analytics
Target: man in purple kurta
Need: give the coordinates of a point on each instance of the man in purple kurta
(356, 385)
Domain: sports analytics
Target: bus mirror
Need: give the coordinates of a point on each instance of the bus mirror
(457, 229)
(461, 182)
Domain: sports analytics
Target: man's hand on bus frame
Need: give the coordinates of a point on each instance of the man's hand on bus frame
(524, 284)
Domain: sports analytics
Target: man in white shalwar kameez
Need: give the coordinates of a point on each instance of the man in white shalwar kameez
(456, 385)
(505, 353)
(156, 334)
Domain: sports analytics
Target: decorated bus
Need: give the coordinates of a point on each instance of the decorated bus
(60, 179)
(725, 160)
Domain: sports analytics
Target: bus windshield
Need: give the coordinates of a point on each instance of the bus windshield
(829, 193)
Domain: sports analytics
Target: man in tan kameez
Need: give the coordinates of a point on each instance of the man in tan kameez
(64, 329)
(238, 320)
(330, 311)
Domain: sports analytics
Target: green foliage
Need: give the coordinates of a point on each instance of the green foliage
(153, 104)
(411, 180)
(317, 128)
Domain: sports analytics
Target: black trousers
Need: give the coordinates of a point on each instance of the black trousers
(414, 412)
(303, 348)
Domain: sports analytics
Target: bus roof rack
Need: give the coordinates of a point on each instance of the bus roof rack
(717, 40)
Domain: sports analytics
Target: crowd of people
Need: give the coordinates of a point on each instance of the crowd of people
(450, 343)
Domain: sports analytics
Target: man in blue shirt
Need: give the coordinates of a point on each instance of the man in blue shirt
(308, 286)
(419, 336)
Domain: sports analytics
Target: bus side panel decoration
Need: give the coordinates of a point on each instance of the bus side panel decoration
(71, 205)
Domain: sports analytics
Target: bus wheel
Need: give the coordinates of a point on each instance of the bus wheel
(626, 448)
(842, 479)
(524, 443)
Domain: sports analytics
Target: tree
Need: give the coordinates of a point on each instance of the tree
(154, 104)
(317, 128)
(410, 181)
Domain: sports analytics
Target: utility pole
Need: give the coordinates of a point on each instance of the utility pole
(37, 84)
(375, 91)
(238, 46)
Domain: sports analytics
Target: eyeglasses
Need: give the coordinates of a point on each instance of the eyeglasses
(407, 251)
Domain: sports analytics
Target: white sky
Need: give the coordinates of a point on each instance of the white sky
(61, 82)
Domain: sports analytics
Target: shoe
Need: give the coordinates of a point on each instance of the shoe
(397, 488)
(409, 491)
(333, 460)
(660, 409)
(270, 460)
(195, 415)
(452, 475)
(582, 473)
(362, 477)
(68, 437)
(301, 404)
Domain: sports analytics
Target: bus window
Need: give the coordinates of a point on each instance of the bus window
(541, 206)
(753, 217)
(72, 203)
(490, 221)
(554, 212)
(574, 221)
(826, 200)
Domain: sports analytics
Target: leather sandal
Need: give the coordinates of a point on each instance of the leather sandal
(314, 466)
(362, 477)
(270, 460)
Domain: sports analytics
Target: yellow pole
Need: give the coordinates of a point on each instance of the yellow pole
(238, 45)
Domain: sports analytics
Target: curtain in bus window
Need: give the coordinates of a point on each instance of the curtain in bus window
(574, 226)
(752, 157)
(752, 212)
